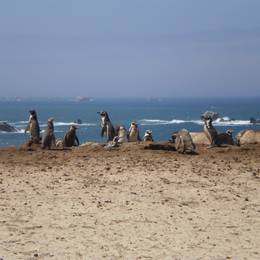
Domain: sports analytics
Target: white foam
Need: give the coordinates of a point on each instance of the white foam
(160, 122)
(42, 124)
(220, 122)
(73, 123)
(225, 121)
(21, 122)
(18, 131)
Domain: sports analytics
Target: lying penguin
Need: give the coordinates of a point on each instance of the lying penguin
(148, 136)
(49, 137)
(133, 135)
(183, 142)
(112, 144)
(226, 138)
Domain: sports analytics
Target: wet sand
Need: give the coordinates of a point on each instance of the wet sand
(130, 203)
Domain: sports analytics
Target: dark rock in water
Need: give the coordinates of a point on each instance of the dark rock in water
(254, 121)
(5, 127)
(79, 121)
(210, 114)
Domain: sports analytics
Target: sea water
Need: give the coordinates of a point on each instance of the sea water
(161, 115)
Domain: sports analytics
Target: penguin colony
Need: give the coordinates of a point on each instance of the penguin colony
(117, 135)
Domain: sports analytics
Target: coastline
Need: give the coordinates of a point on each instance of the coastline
(129, 202)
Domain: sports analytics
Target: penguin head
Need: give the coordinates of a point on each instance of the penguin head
(73, 128)
(104, 116)
(33, 113)
(148, 133)
(103, 113)
(115, 139)
(229, 132)
(134, 125)
(174, 136)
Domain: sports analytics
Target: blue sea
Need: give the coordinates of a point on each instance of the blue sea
(161, 115)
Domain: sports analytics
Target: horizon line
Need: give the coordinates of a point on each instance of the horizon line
(122, 97)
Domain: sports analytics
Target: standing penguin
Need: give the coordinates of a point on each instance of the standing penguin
(122, 135)
(70, 139)
(49, 137)
(210, 131)
(33, 127)
(134, 135)
(148, 136)
(106, 126)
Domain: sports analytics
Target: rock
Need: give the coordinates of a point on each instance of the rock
(199, 138)
(5, 127)
(248, 137)
(211, 114)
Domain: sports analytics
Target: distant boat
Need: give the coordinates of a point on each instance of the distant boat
(154, 99)
(84, 99)
(18, 99)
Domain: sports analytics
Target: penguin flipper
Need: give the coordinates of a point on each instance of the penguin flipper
(103, 130)
(77, 140)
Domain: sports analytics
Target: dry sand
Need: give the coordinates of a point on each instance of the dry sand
(130, 203)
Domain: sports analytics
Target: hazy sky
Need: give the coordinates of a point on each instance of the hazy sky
(130, 48)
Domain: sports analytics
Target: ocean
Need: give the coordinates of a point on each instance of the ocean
(162, 116)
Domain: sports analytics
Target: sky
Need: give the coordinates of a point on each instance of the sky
(137, 48)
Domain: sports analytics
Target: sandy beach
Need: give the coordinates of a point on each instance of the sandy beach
(130, 203)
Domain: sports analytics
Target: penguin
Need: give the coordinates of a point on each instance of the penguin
(59, 143)
(133, 135)
(49, 137)
(112, 144)
(33, 127)
(183, 142)
(106, 126)
(210, 132)
(122, 135)
(70, 139)
(148, 136)
(226, 138)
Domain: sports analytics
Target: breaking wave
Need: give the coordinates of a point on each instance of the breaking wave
(219, 122)
(73, 123)
(43, 124)
(224, 121)
(18, 131)
(160, 122)
(21, 125)
(228, 122)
